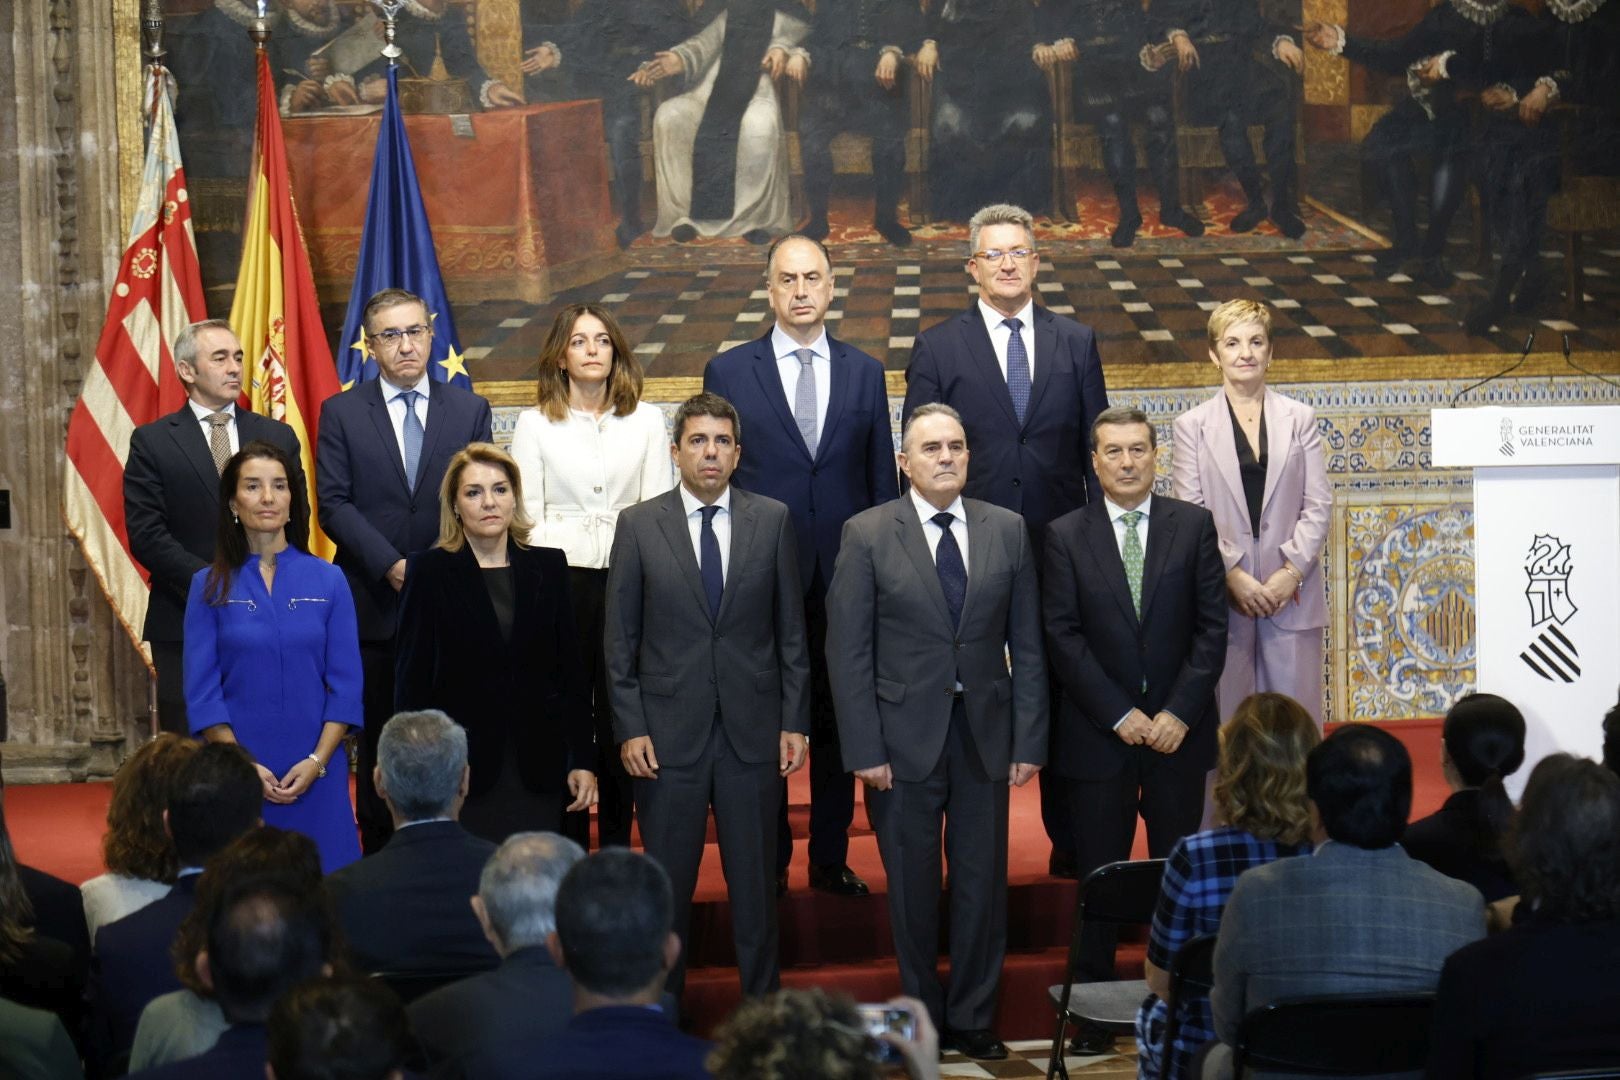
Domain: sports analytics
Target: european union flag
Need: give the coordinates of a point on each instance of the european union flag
(396, 252)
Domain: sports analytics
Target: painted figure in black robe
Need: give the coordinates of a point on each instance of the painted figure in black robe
(306, 25)
(428, 27)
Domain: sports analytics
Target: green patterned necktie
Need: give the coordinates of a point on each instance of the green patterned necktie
(1133, 557)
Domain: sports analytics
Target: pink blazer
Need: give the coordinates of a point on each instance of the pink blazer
(1294, 512)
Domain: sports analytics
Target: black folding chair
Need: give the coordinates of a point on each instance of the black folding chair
(1192, 975)
(1118, 894)
(1337, 1035)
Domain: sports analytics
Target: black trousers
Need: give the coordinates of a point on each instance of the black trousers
(377, 704)
(832, 790)
(168, 657)
(1390, 151)
(615, 793)
(845, 96)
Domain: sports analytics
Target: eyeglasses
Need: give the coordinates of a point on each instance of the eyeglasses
(995, 255)
(392, 339)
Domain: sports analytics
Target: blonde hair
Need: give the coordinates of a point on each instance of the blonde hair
(1234, 312)
(625, 377)
(1260, 777)
(451, 535)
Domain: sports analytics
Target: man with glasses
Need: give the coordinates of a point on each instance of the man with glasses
(1028, 384)
(379, 460)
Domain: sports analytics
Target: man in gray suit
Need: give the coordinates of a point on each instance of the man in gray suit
(707, 663)
(1358, 917)
(930, 593)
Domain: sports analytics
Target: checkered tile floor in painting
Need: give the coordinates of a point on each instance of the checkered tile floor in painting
(1148, 307)
(1029, 1058)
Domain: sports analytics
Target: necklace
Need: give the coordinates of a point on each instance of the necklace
(1483, 12)
(1574, 11)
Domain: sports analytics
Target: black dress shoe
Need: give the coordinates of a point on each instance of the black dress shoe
(683, 234)
(627, 231)
(757, 237)
(838, 880)
(1249, 217)
(1435, 273)
(1091, 1040)
(1124, 234)
(816, 228)
(1390, 260)
(1062, 865)
(892, 231)
(978, 1043)
(1177, 218)
(1288, 222)
(781, 884)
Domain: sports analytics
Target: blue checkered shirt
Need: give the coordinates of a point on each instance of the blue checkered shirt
(1198, 879)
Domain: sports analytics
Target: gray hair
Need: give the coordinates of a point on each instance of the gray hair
(185, 346)
(999, 214)
(1123, 414)
(422, 755)
(519, 886)
(932, 408)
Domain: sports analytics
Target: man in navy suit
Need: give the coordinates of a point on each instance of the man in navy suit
(1028, 385)
(381, 455)
(216, 798)
(819, 440)
(171, 492)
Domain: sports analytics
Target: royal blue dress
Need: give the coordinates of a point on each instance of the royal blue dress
(276, 667)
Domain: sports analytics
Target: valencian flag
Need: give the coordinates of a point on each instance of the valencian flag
(275, 313)
(396, 251)
(132, 380)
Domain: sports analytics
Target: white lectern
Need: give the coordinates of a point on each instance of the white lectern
(1546, 564)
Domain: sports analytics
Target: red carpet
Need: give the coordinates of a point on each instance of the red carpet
(825, 940)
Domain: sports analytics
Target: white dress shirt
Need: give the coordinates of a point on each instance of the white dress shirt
(201, 412)
(1115, 515)
(788, 366)
(722, 527)
(1000, 333)
(580, 471)
(394, 397)
(931, 530)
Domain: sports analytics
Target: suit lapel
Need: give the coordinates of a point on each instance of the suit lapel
(980, 541)
(1162, 520)
(836, 394)
(744, 528)
(438, 407)
(915, 545)
(976, 340)
(1279, 443)
(1223, 444)
(385, 430)
(1045, 358)
(480, 609)
(1105, 550)
(672, 522)
(526, 584)
(770, 384)
(188, 437)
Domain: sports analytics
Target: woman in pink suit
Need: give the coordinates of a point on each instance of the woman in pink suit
(1253, 458)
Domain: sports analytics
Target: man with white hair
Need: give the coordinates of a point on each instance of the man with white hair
(487, 1025)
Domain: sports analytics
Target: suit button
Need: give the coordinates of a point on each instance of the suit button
(1023, 440)
(949, 691)
(815, 472)
(717, 635)
(1017, 482)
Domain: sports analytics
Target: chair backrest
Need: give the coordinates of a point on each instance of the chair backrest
(410, 985)
(1122, 892)
(1192, 975)
(1337, 1035)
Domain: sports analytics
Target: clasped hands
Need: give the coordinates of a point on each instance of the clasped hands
(1261, 599)
(289, 788)
(1162, 733)
(641, 761)
(881, 777)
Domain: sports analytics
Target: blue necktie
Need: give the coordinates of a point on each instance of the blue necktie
(948, 564)
(804, 399)
(413, 437)
(1017, 368)
(709, 565)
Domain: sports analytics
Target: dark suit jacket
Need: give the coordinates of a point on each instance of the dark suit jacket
(854, 466)
(132, 957)
(627, 1041)
(497, 1016)
(171, 505)
(238, 1055)
(406, 908)
(452, 657)
(1040, 469)
(879, 22)
(1446, 841)
(894, 657)
(365, 505)
(58, 912)
(1104, 654)
(671, 666)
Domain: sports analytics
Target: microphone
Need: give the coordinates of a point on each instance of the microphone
(1570, 360)
(1523, 355)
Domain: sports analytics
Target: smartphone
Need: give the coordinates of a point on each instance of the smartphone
(878, 1019)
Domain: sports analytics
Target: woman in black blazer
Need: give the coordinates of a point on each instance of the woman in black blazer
(486, 633)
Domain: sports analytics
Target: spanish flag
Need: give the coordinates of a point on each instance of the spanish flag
(275, 313)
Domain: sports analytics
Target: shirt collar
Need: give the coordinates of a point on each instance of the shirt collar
(926, 510)
(783, 346)
(992, 317)
(693, 504)
(1115, 511)
(391, 391)
(402, 826)
(202, 412)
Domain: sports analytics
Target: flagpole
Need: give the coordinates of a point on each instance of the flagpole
(260, 30)
(152, 31)
(390, 12)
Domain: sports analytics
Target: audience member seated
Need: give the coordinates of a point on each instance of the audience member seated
(216, 798)
(1360, 916)
(35, 969)
(1263, 816)
(57, 911)
(263, 939)
(136, 849)
(794, 1033)
(35, 1046)
(1481, 745)
(404, 908)
(1541, 996)
(338, 1029)
(186, 1022)
(1611, 740)
(616, 939)
(495, 1018)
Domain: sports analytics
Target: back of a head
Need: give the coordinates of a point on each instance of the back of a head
(1360, 779)
(136, 844)
(263, 940)
(519, 883)
(1611, 740)
(1484, 738)
(1565, 843)
(339, 1029)
(422, 756)
(614, 916)
(1260, 778)
(792, 1034)
(216, 798)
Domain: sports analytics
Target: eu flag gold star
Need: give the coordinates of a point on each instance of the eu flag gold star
(453, 365)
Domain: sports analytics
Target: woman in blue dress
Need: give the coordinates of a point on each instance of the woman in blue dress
(272, 656)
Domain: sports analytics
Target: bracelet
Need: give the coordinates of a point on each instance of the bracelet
(319, 765)
(1299, 579)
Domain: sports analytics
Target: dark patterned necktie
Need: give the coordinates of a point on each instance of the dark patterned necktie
(1017, 368)
(948, 563)
(714, 582)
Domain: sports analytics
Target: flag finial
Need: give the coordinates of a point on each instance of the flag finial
(390, 12)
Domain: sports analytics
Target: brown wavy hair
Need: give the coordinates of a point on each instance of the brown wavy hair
(136, 844)
(452, 537)
(1260, 778)
(625, 377)
(793, 1033)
